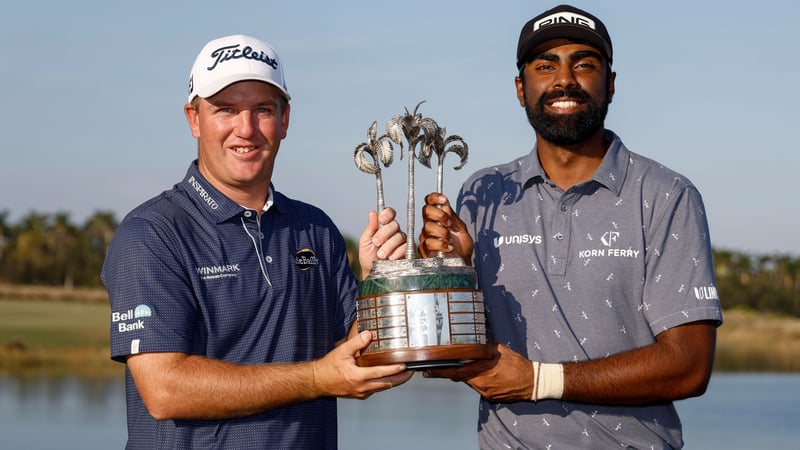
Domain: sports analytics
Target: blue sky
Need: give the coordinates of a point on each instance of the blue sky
(92, 107)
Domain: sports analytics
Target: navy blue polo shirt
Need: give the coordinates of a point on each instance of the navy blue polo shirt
(190, 271)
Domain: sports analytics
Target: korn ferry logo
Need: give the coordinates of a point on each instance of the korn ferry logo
(131, 319)
(609, 239)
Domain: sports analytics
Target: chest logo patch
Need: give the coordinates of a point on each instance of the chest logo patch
(305, 259)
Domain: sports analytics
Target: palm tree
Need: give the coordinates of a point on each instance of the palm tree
(441, 145)
(380, 150)
(3, 233)
(28, 257)
(96, 235)
(416, 129)
(63, 241)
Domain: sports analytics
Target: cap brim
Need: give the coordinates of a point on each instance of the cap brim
(581, 34)
(219, 84)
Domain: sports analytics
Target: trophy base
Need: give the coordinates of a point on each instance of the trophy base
(426, 358)
(424, 313)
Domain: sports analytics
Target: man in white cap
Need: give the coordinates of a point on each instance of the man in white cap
(228, 298)
(595, 264)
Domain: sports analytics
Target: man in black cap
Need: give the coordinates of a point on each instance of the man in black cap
(595, 263)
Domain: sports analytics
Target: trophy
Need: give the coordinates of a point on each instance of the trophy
(424, 312)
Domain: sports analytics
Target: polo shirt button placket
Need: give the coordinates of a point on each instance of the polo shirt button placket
(556, 264)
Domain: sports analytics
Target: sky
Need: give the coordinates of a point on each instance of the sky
(92, 117)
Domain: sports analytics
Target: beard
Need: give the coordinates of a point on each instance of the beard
(567, 129)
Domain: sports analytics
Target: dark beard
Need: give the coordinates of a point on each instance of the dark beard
(565, 129)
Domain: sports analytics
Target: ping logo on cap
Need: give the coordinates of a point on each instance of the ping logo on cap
(564, 18)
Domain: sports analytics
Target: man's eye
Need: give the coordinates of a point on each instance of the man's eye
(266, 111)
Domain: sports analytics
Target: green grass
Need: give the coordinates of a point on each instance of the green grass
(71, 335)
(55, 337)
(53, 324)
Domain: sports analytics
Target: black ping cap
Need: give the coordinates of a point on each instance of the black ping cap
(563, 21)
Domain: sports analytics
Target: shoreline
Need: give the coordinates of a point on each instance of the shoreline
(747, 341)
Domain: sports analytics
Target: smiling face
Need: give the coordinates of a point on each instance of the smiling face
(239, 131)
(565, 89)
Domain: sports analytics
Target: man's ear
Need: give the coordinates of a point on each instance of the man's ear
(193, 118)
(520, 91)
(611, 88)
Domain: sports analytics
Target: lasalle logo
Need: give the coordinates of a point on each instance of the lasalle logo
(305, 259)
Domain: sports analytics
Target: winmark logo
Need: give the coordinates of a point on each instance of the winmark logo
(221, 271)
(305, 259)
(519, 239)
(132, 314)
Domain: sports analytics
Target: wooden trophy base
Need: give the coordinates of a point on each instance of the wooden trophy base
(426, 357)
(424, 313)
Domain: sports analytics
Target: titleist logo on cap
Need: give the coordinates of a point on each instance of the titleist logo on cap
(564, 18)
(230, 52)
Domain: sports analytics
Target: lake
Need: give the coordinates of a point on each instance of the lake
(739, 411)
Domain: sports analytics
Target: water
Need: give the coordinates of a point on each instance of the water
(739, 411)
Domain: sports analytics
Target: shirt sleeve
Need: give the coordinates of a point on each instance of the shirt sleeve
(152, 308)
(680, 286)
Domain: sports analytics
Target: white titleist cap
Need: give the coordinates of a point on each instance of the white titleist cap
(226, 60)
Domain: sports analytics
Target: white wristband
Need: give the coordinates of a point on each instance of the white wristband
(548, 381)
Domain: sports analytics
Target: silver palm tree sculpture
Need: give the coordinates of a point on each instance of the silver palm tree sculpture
(441, 146)
(380, 151)
(416, 130)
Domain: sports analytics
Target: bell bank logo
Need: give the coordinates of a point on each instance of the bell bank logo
(132, 319)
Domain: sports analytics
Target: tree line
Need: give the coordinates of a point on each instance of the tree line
(51, 250)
